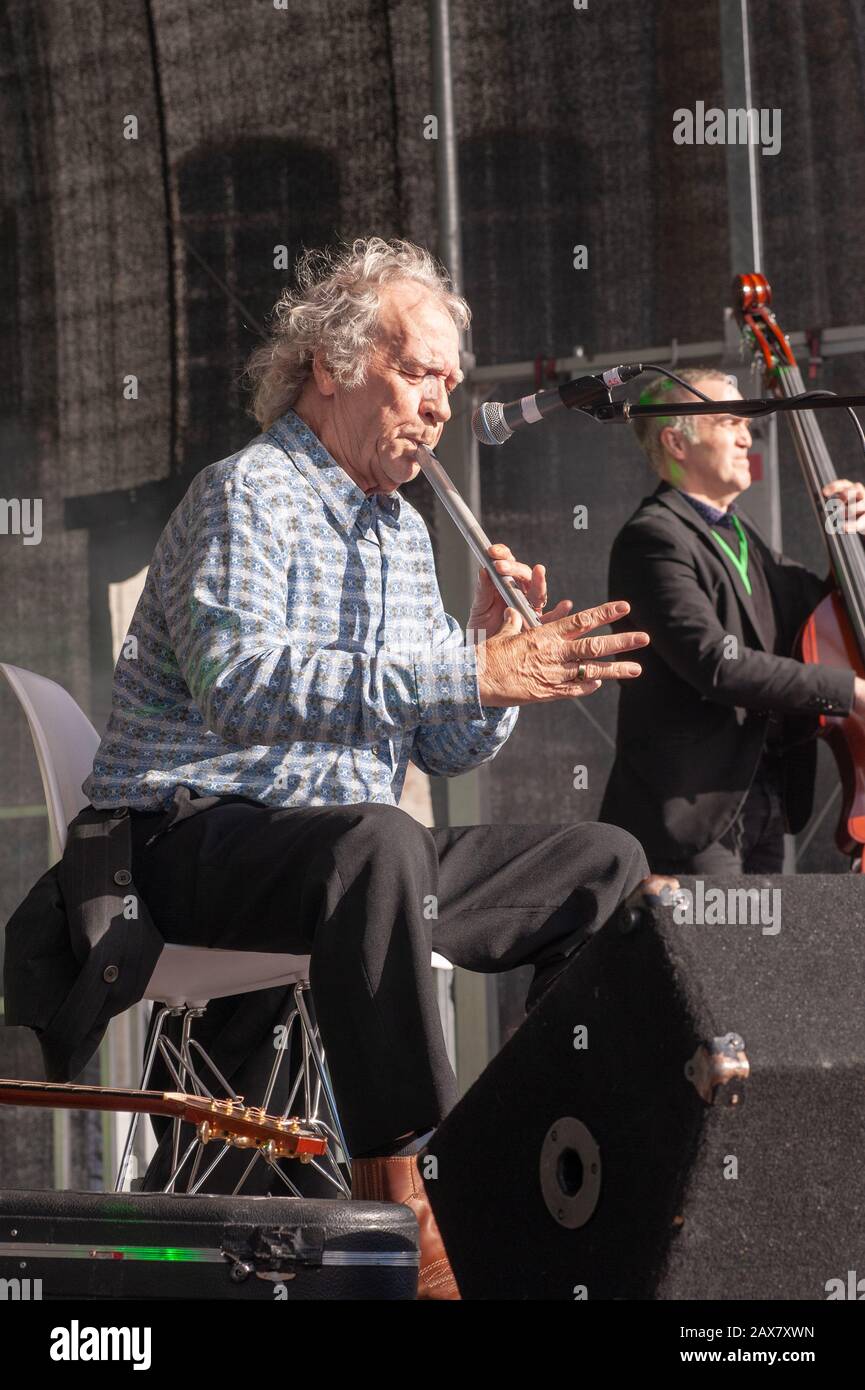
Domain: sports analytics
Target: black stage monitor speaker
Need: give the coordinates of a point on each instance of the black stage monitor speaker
(681, 1116)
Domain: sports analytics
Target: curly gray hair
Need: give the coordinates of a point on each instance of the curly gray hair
(334, 310)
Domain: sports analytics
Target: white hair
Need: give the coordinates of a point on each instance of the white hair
(334, 310)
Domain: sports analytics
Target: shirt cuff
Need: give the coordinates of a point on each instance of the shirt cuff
(447, 686)
(495, 715)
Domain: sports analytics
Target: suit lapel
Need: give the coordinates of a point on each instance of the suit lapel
(672, 498)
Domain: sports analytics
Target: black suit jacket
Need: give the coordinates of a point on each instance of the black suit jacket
(82, 945)
(692, 728)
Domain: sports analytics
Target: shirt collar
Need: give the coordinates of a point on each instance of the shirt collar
(713, 515)
(348, 502)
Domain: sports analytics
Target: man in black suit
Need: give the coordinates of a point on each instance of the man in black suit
(715, 751)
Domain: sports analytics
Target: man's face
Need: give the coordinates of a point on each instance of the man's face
(717, 461)
(414, 367)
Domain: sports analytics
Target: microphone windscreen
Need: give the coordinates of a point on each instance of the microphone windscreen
(488, 424)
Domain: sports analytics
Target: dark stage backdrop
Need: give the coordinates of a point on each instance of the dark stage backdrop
(255, 127)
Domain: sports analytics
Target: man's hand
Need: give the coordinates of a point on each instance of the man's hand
(488, 608)
(657, 888)
(557, 661)
(853, 497)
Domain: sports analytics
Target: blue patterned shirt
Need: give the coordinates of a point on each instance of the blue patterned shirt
(290, 645)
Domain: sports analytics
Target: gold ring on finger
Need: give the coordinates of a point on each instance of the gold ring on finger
(581, 671)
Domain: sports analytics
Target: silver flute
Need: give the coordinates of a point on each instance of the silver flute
(473, 533)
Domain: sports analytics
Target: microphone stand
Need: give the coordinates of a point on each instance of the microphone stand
(609, 410)
(606, 410)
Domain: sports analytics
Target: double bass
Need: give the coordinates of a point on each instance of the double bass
(834, 634)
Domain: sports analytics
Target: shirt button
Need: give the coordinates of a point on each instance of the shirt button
(376, 748)
(110, 974)
(122, 877)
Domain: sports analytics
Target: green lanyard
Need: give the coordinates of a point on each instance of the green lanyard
(740, 560)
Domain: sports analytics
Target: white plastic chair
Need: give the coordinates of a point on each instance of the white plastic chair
(185, 978)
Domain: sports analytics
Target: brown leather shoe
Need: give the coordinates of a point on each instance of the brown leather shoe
(399, 1180)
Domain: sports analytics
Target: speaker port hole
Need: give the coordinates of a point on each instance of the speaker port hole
(569, 1172)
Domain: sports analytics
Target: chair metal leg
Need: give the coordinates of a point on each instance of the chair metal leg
(148, 1067)
(186, 1063)
(176, 1171)
(285, 1045)
(313, 1065)
(187, 1073)
(311, 1034)
(311, 1073)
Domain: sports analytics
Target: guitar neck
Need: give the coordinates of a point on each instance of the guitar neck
(229, 1120)
(53, 1095)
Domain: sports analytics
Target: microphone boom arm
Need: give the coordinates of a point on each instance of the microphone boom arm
(623, 411)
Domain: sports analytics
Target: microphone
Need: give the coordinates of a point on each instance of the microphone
(494, 423)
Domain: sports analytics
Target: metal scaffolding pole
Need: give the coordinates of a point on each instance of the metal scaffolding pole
(834, 342)
(459, 800)
(745, 221)
(743, 170)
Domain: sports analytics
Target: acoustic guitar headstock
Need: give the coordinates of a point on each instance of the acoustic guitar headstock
(250, 1127)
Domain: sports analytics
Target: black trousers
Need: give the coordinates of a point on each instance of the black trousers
(369, 893)
(753, 844)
